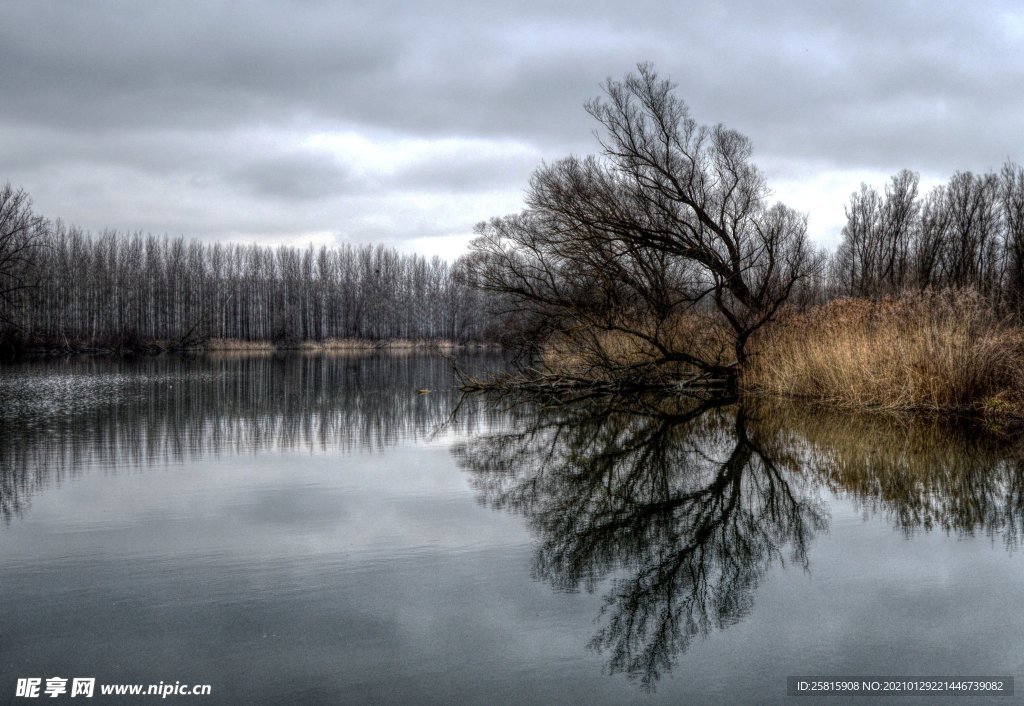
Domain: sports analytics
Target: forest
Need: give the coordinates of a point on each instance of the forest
(967, 233)
(59, 283)
(65, 288)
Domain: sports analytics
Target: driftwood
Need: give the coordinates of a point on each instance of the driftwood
(535, 380)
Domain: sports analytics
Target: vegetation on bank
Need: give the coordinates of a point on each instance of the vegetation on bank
(929, 351)
(661, 262)
(342, 344)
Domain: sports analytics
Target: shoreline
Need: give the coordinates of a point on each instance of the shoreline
(232, 346)
(998, 416)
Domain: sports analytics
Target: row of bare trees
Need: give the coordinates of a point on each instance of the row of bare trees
(64, 286)
(968, 232)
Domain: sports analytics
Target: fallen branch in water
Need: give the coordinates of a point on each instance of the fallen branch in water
(534, 380)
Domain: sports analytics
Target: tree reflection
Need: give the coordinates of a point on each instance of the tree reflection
(923, 473)
(60, 418)
(679, 506)
(681, 509)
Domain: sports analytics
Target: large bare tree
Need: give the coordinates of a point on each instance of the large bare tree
(671, 221)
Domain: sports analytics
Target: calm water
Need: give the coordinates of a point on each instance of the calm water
(311, 530)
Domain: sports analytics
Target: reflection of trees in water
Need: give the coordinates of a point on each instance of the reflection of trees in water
(58, 418)
(685, 509)
(681, 506)
(922, 473)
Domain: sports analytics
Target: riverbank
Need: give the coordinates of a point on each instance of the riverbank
(345, 344)
(12, 349)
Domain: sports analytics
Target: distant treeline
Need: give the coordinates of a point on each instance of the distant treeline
(80, 289)
(965, 234)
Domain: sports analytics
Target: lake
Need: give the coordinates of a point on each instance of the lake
(312, 529)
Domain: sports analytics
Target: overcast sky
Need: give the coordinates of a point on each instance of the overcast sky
(408, 122)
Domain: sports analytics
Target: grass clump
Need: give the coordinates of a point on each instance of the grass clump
(923, 351)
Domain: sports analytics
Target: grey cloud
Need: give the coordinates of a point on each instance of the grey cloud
(467, 173)
(294, 177)
(881, 85)
(112, 64)
(151, 151)
(408, 68)
(190, 94)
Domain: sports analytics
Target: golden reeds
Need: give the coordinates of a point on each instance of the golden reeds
(926, 351)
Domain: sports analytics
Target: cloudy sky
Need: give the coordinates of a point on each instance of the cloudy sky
(408, 122)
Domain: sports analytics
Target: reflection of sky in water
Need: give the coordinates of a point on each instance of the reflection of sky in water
(293, 563)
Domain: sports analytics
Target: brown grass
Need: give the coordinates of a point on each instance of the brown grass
(926, 351)
(593, 353)
(338, 344)
(235, 344)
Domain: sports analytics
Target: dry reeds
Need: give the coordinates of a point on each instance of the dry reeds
(338, 344)
(238, 345)
(927, 351)
(625, 349)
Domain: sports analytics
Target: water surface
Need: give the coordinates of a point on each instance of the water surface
(311, 528)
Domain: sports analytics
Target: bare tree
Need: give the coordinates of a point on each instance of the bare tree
(856, 259)
(932, 239)
(1011, 199)
(874, 257)
(972, 257)
(21, 234)
(672, 218)
(900, 223)
(963, 234)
